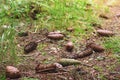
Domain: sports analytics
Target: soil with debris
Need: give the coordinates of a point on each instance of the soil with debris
(99, 65)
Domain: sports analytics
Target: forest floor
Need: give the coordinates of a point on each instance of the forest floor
(32, 21)
(101, 66)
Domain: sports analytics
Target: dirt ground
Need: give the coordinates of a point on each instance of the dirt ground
(101, 66)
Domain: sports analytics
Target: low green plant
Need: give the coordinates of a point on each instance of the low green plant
(2, 77)
(8, 45)
(102, 77)
(98, 68)
(112, 44)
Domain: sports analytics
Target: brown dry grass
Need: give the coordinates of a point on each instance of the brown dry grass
(107, 2)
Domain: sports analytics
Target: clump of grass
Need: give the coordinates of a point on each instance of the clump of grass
(7, 45)
(62, 14)
(2, 77)
(98, 68)
(14, 9)
(113, 44)
(51, 14)
(101, 6)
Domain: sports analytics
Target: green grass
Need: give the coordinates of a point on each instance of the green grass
(7, 45)
(113, 44)
(52, 14)
(2, 77)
